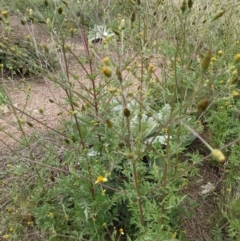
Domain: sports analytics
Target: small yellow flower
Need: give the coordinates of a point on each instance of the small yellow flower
(101, 179)
(218, 155)
(121, 231)
(122, 24)
(104, 224)
(237, 58)
(51, 214)
(11, 229)
(30, 223)
(1, 66)
(174, 235)
(103, 192)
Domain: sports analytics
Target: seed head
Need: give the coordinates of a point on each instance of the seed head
(5, 14)
(29, 124)
(119, 74)
(106, 71)
(183, 6)
(130, 155)
(23, 21)
(237, 58)
(133, 17)
(109, 123)
(60, 11)
(219, 14)
(235, 93)
(72, 32)
(106, 61)
(190, 3)
(126, 112)
(150, 68)
(220, 52)
(206, 60)
(202, 105)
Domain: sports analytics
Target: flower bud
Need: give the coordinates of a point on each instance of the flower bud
(218, 155)
(206, 60)
(190, 3)
(237, 58)
(119, 74)
(5, 14)
(106, 61)
(60, 11)
(109, 123)
(183, 6)
(106, 71)
(126, 112)
(202, 105)
(219, 14)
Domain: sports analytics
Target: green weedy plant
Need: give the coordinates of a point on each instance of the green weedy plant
(133, 110)
(19, 55)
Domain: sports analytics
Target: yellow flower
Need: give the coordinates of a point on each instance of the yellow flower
(174, 235)
(101, 179)
(51, 214)
(103, 192)
(122, 24)
(30, 223)
(121, 231)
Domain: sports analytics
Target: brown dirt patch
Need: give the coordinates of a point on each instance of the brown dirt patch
(30, 98)
(201, 211)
